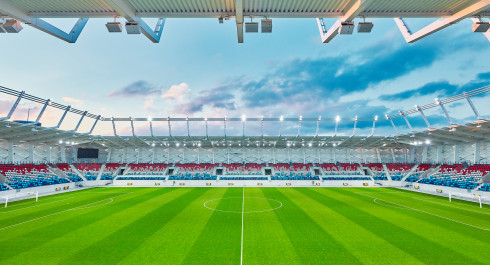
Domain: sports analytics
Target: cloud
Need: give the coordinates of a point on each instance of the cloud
(176, 92)
(218, 97)
(73, 101)
(332, 77)
(138, 88)
(440, 89)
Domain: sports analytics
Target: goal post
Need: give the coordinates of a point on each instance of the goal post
(18, 197)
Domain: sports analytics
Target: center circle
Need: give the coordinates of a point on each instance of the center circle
(250, 204)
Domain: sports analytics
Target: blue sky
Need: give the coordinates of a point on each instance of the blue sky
(199, 69)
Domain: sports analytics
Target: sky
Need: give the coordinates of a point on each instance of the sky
(198, 69)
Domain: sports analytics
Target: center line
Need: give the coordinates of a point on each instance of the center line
(243, 209)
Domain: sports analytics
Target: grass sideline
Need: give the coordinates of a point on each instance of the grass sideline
(308, 226)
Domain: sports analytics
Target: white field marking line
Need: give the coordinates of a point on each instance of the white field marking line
(437, 199)
(241, 198)
(414, 209)
(390, 205)
(75, 208)
(243, 209)
(18, 204)
(35, 205)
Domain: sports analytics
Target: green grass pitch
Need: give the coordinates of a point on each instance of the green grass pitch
(277, 226)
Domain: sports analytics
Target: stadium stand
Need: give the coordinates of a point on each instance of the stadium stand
(89, 170)
(29, 175)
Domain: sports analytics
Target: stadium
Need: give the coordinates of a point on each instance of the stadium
(343, 136)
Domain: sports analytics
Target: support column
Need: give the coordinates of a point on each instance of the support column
(10, 149)
(109, 154)
(48, 154)
(412, 154)
(456, 153)
(477, 157)
(424, 154)
(30, 149)
(139, 155)
(439, 154)
(62, 154)
(378, 155)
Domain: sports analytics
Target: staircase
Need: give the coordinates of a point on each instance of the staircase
(387, 172)
(410, 172)
(100, 172)
(74, 169)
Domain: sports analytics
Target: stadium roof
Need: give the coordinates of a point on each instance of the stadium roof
(454, 134)
(451, 11)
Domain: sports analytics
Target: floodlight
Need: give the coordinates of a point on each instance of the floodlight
(355, 118)
(364, 27)
(133, 27)
(310, 144)
(266, 25)
(149, 118)
(319, 118)
(251, 27)
(337, 119)
(281, 118)
(427, 141)
(114, 27)
(12, 26)
(244, 118)
(153, 144)
(177, 144)
(346, 28)
(300, 118)
(437, 101)
(376, 117)
(61, 141)
(481, 26)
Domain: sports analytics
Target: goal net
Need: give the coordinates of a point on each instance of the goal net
(6, 199)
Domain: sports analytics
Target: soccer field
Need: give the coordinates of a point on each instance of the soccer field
(244, 226)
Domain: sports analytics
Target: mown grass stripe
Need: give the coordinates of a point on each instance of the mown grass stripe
(172, 243)
(431, 217)
(44, 217)
(118, 245)
(36, 240)
(306, 234)
(358, 240)
(426, 250)
(219, 242)
(265, 241)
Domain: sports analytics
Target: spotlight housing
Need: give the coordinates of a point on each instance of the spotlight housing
(114, 27)
(364, 27)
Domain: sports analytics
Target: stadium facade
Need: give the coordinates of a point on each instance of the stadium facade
(449, 160)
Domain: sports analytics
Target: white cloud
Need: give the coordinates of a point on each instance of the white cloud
(176, 92)
(73, 101)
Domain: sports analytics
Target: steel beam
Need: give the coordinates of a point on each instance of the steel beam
(80, 121)
(239, 19)
(42, 110)
(7, 8)
(129, 13)
(11, 112)
(63, 117)
(440, 24)
(93, 126)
